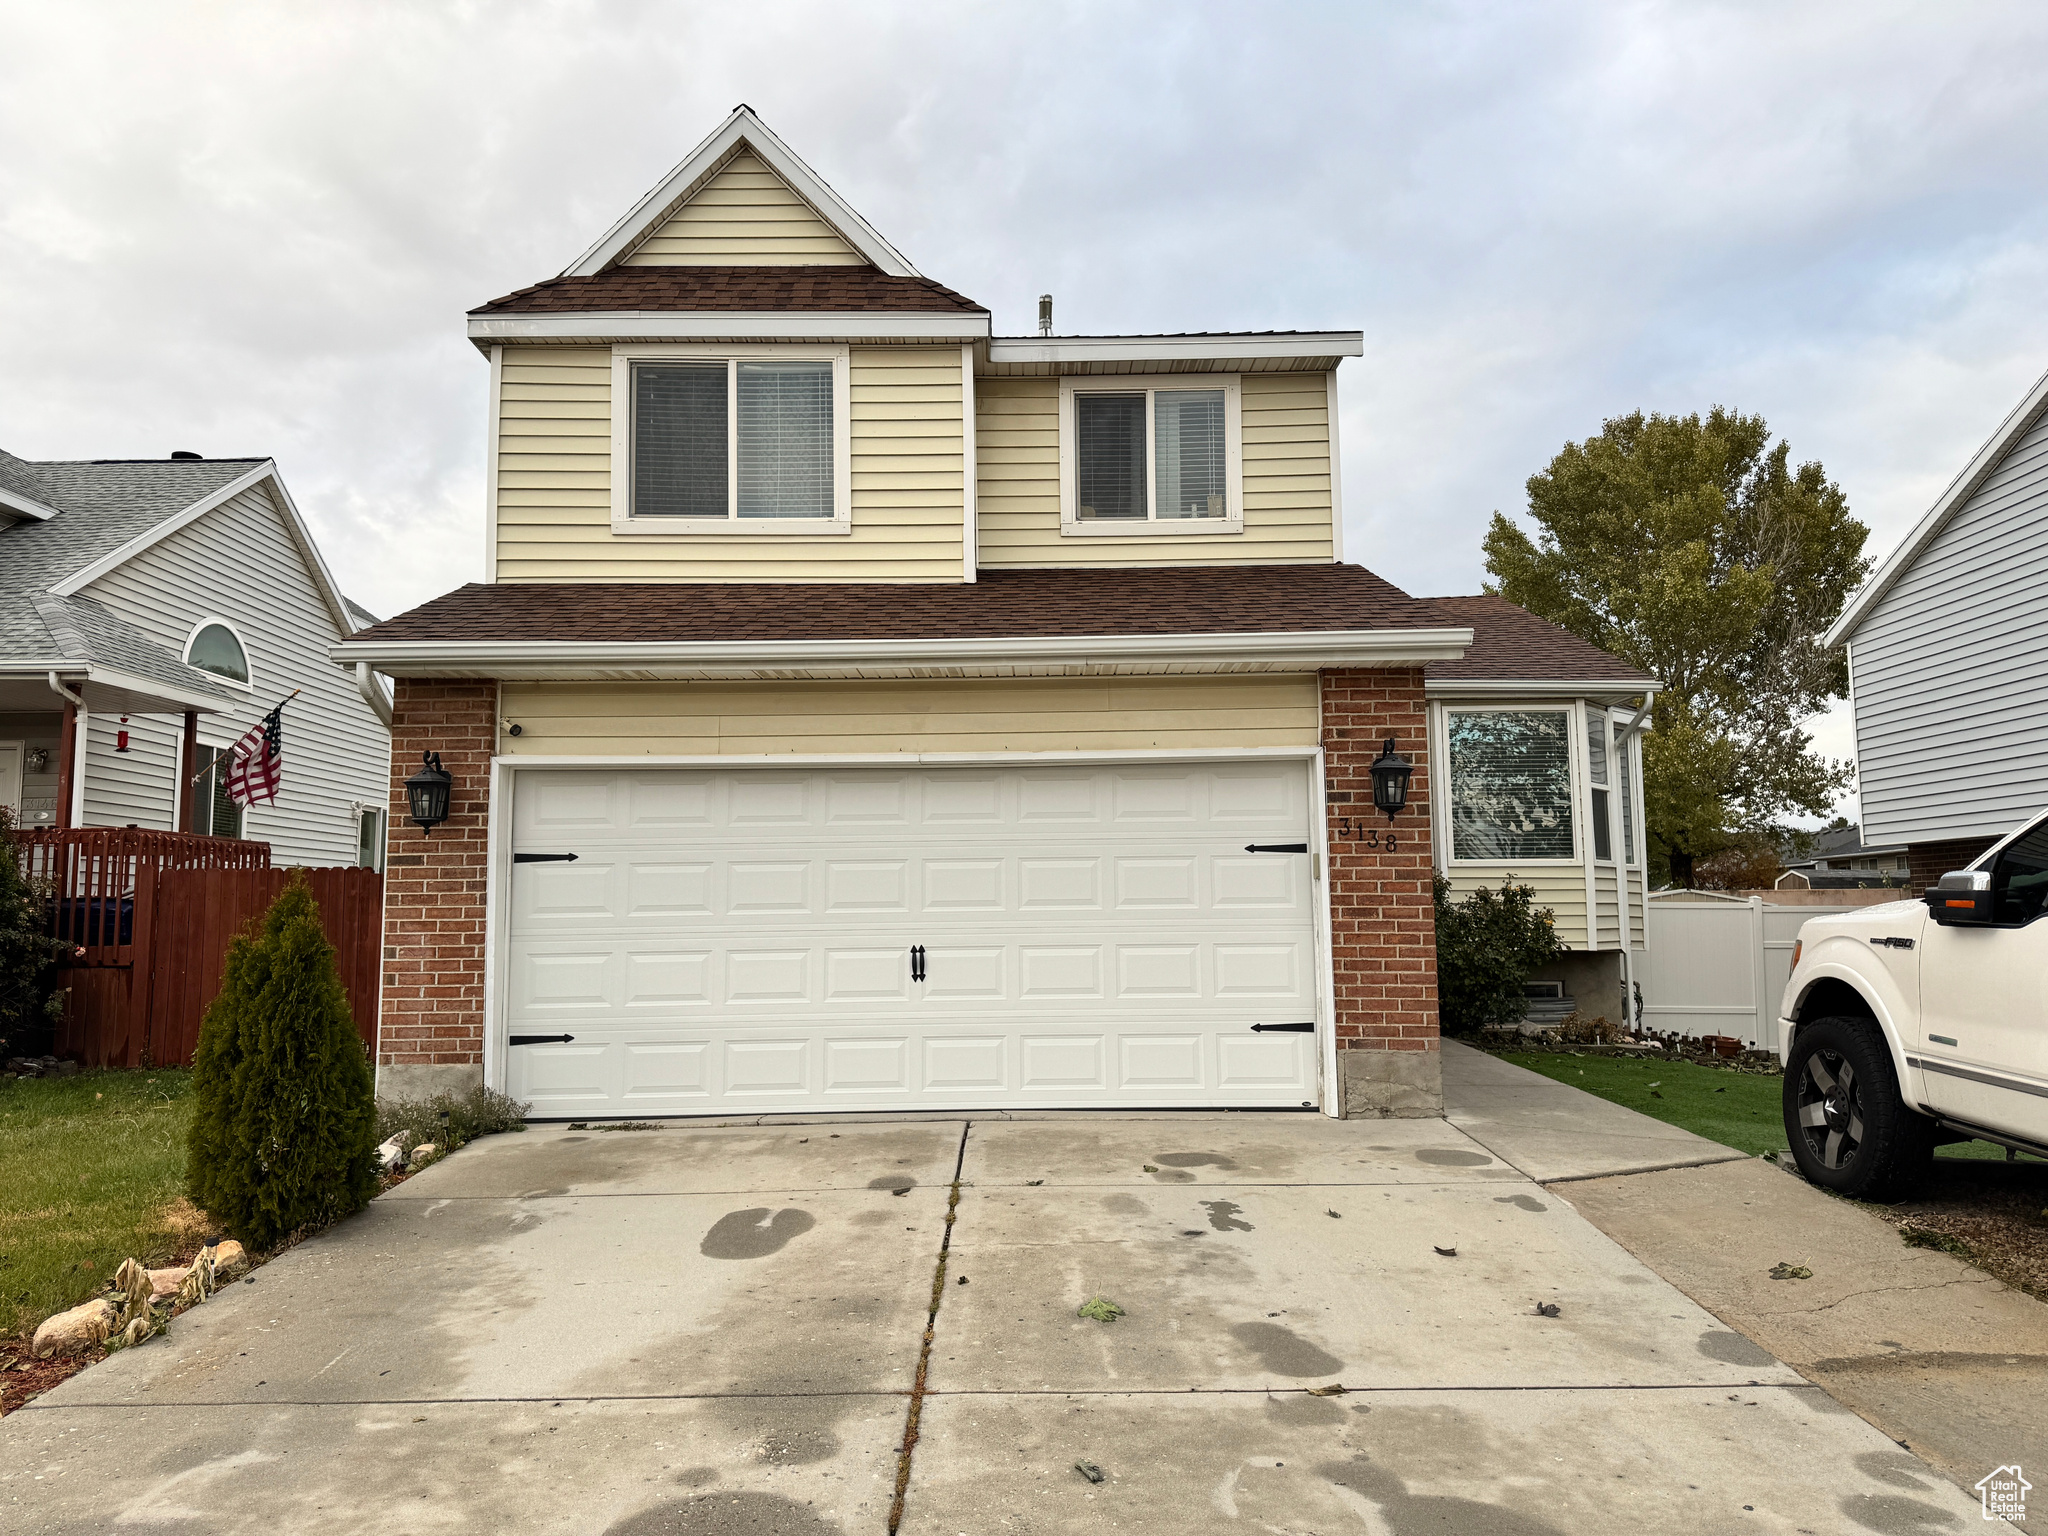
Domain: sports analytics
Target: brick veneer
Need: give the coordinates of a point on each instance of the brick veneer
(1382, 921)
(1928, 862)
(431, 1032)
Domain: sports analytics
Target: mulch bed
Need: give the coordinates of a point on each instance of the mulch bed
(1989, 1213)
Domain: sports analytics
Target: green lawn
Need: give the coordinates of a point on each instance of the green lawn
(92, 1171)
(1737, 1109)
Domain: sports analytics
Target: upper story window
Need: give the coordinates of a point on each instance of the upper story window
(218, 649)
(1511, 784)
(1151, 455)
(709, 441)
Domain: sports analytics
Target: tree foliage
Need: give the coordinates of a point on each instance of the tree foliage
(1486, 947)
(282, 1130)
(30, 1004)
(1691, 547)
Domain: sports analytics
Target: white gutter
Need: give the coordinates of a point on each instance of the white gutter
(1166, 349)
(83, 673)
(731, 324)
(57, 687)
(373, 693)
(1367, 647)
(1455, 687)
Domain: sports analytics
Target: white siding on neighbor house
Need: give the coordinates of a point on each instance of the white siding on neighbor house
(1950, 669)
(240, 562)
(555, 474)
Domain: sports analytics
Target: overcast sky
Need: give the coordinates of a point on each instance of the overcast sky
(254, 229)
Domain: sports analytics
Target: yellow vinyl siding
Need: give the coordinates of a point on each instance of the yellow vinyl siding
(994, 715)
(744, 216)
(554, 480)
(1286, 458)
(1560, 887)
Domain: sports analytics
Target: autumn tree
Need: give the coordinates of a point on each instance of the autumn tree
(1691, 547)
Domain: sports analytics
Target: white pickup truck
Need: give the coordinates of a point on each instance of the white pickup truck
(1920, 1022)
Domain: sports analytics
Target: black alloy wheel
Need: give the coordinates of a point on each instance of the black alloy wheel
(1830, 1109)
(1849, 1128)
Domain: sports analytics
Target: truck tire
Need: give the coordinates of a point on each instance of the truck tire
(1850, 1130)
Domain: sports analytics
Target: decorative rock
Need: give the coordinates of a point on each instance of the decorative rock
(424, 1154)
(69, 1333)
(229, 1259)
(165, 1282)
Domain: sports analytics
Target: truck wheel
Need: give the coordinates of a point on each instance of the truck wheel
(1850, 1130)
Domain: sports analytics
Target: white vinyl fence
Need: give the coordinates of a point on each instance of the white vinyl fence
(1717, 965)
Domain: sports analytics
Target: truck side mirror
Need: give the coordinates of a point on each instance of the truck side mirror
(1962, 896)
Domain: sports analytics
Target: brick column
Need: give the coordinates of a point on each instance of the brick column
(1382, 920)
(430, 1035)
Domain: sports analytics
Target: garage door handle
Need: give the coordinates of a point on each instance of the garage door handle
(1285, 1029)
(539, 1039)
(543, 858)
(917, 962)
(1276, 847)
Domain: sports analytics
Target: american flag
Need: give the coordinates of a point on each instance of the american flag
(257, 761)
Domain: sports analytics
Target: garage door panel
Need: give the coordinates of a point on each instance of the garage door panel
(743, 936)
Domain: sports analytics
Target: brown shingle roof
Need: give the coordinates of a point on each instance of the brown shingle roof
(1512, 644)
(821, 289)
(1158, 600)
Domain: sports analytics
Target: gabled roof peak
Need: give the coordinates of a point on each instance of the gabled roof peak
(742, 129)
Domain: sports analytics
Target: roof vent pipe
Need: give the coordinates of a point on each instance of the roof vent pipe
(1045, 314)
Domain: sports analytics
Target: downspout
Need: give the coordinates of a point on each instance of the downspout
(366, 684)
(1628, 954)
(71, 774)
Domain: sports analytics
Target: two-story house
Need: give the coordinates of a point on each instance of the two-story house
(866, 711)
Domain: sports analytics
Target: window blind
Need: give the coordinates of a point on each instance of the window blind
(785, 439)
(1110, 456)
(1511, 785)
(679, 441)
(1596, 747)
(1188, 449)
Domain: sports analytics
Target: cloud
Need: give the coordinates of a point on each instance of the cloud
(252, 228)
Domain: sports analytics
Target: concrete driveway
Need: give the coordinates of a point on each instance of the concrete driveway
(729, 1330)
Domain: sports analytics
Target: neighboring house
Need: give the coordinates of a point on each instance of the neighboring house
(1539, 730)
(151, 611)
(1948, 659)
(1842, 861)
(866, 711)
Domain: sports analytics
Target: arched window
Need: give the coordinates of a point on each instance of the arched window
(216, 649)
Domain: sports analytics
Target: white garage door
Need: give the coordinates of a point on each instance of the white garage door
(754, 940)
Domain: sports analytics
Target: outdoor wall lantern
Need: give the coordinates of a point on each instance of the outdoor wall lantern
(427, 793)
(1390, 774)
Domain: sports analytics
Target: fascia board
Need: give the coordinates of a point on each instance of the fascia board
(780, 158)
(82, 672)
(85, 576)
(721, 325)
(26, 506)
(1368, 647)
(1603, 687)
(1173, 349)
(2016, 425)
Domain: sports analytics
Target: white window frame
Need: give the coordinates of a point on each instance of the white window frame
(1617, 724)
(1575, 758)
(623, 519)
(1154, 526)
(248, 656)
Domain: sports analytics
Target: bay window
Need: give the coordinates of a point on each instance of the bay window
(713, 442)
(1150, 455)
(1510, 784)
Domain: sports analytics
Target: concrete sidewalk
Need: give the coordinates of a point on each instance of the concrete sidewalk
(694, 1331)
(1551, 1132)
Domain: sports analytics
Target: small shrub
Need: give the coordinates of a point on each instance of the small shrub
(1486, 946)
(30, 1004)
(282, 1126)
(450, 1120)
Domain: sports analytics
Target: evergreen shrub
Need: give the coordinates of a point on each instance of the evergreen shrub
(284, 1121)
(1486, 947)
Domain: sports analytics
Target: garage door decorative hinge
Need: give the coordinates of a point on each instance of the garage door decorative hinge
(543, 858)
(1276, 847)
(1285, 1029)
(538, 1039)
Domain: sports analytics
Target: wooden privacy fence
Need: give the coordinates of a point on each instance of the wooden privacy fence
(152, 914)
